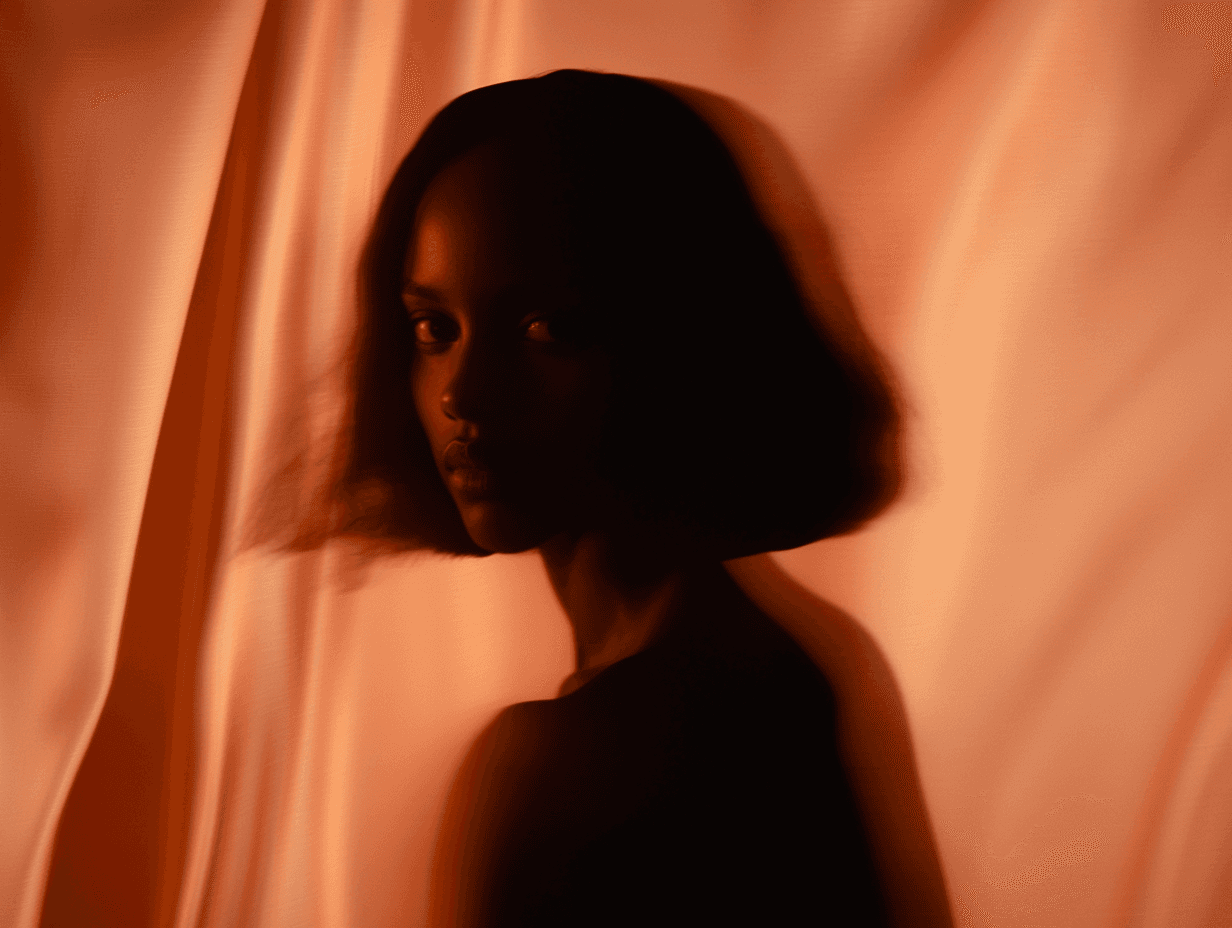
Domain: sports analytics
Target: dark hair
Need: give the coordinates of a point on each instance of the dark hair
(740, 412)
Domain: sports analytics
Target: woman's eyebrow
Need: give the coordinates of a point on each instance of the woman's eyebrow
(412, 289)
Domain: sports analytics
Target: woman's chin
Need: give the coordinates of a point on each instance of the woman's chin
(499, 529)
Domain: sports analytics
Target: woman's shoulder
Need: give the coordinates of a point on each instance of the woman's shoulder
(485, 816)
(512, 746)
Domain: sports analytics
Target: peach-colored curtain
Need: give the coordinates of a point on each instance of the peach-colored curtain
(1033, 203)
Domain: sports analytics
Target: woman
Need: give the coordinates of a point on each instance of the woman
(578, 335)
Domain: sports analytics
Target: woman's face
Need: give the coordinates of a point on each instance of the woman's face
(510, 402)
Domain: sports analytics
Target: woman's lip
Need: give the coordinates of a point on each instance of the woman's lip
(466, 472)
(472, 481)
(461, 456)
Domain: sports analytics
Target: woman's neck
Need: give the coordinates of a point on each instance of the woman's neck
(620, 592)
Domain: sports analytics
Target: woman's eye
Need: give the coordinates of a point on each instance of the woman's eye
(563, 330)
(433, 331)
(540, 330)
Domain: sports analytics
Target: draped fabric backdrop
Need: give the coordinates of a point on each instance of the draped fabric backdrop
(1033, 204)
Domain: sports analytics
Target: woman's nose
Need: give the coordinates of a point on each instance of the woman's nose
(469, 394)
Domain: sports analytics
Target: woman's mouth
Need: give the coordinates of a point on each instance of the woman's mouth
(472, 481)
(463, 474)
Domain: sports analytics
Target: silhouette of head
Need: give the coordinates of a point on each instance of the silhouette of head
(573, 313)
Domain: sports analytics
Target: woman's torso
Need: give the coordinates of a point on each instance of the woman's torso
(698, 781)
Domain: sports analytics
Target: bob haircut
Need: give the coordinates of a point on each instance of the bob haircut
(736, 416)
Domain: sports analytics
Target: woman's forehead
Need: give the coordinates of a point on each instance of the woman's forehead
(479, 232)
(499, 176)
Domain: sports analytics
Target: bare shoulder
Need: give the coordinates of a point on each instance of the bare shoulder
(503, 758)
(488, 793)
(508, 744)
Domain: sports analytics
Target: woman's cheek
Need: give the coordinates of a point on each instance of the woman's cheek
(427, 386)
